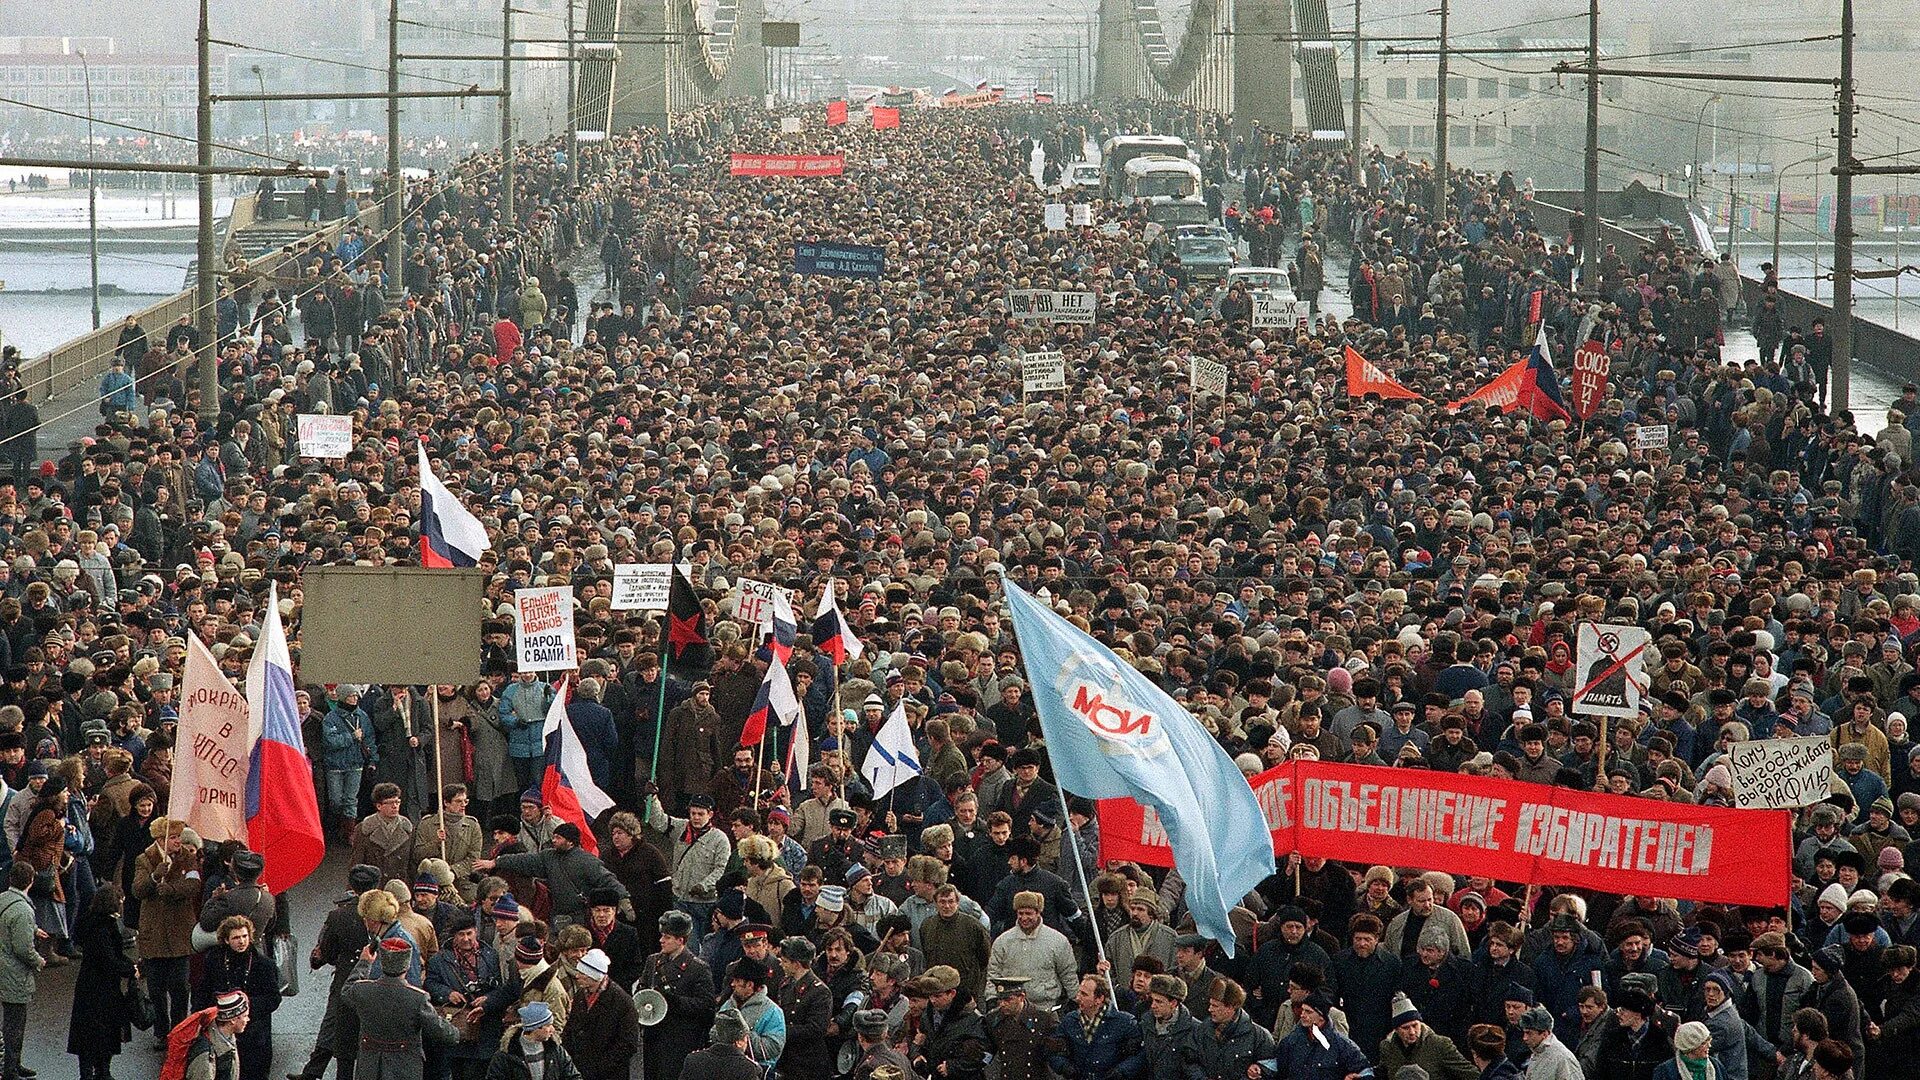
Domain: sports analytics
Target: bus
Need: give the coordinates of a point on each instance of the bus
(1156, 177)
(1117, 151)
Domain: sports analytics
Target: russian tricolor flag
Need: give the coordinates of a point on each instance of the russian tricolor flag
(566, 785)
(774, 697)
(283, 816)
(831, 634)
(780, 626)
(449, 535)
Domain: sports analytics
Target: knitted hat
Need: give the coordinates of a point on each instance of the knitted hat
(1691, 1036)
(1403, 1010)
(529, 950)
(594, 965)
(833, 898)
(535, 1014)
(231, 1005)
(1536, 1019)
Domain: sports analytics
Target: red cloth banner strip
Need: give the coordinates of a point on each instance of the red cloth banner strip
(788, 164)
(1504, 829)
(836, 113)
(884, 117)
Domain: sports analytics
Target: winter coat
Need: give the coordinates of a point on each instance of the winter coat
(339, 749)
(1367, 988)
(1553, 1061)
(523, 713)
(20, 961)
(493, 776)
(1020, 1042)
(603, 1035)
(169, 901)
(510, 1063)
(809, 1006)
(698, 861)
(1173, 1054)
(1301, 1057)
(960, 1042)
(1113, 1051)
(100, 1021)
(1227, 1049)
(1433, 1052)
(1627, 1055)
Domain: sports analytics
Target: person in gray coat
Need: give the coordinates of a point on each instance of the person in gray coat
(571, 873)
(20, 962)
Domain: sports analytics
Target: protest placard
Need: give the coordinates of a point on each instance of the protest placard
(543, 629)
(1271, 312)
(1082, 215)
(325, 436)
(752, 599)
(1610, 669)
(641, 586)
(1041, 372)
(1055, 216)
(790, 125)
(1209, 377)
(1651, 437)
(1770, 774)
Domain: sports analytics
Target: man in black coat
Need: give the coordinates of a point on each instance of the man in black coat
(603, 1030)
(808, 1006)
(727, 1058)
(1440, 984)
(619, 941)
(687, 984)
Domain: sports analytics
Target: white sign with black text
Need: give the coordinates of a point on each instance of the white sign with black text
(1041, 372)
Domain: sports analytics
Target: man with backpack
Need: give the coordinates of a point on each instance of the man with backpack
(206, 1045)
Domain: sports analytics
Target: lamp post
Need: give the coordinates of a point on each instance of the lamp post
(1693, 190)
(1777, 178)
(266, 132)
(93, 196)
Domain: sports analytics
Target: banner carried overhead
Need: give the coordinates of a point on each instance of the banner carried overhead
(788, 165)
(1511, 830)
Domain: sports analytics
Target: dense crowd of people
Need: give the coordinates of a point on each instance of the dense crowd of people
(1389, 583)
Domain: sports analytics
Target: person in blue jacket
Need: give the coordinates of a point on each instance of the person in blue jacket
(1101, 1042)
(1314, 1050)
(523, 713)
(347, 747)
(1693, 1056)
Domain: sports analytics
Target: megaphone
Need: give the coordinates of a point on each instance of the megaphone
(651, 1005)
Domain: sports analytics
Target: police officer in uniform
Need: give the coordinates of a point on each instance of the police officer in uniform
(1019, 1031)
(687, 984)
(873, 1048)
(837, 850)
(396, 1017)
(342, 938)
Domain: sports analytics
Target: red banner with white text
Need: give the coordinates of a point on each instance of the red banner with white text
(788, 164)
(1590, 366)
(1508, 830)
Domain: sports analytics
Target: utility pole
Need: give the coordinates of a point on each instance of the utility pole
(1842, 328)
(1440, 194)
(1590, 179)
(93, 196)
(573, 119)
(396, 185)
(1355, 144)
(506, 113)
(203, 297)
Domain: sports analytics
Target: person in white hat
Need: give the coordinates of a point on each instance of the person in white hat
(603, 1029)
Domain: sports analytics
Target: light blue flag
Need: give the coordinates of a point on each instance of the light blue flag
(1111, 733)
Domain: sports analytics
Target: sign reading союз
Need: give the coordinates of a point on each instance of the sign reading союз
(1504, 829)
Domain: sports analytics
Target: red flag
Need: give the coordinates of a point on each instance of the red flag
(885, 117)
(1364, 377)
(1503, 391)
(836, 113)
(1590, 366)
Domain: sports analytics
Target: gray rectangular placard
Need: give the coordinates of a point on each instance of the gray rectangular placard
(391, 625)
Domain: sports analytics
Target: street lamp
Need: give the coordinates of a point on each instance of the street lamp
(265, 131)
(1693, 192)
(1777, 178)
(93, 198)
